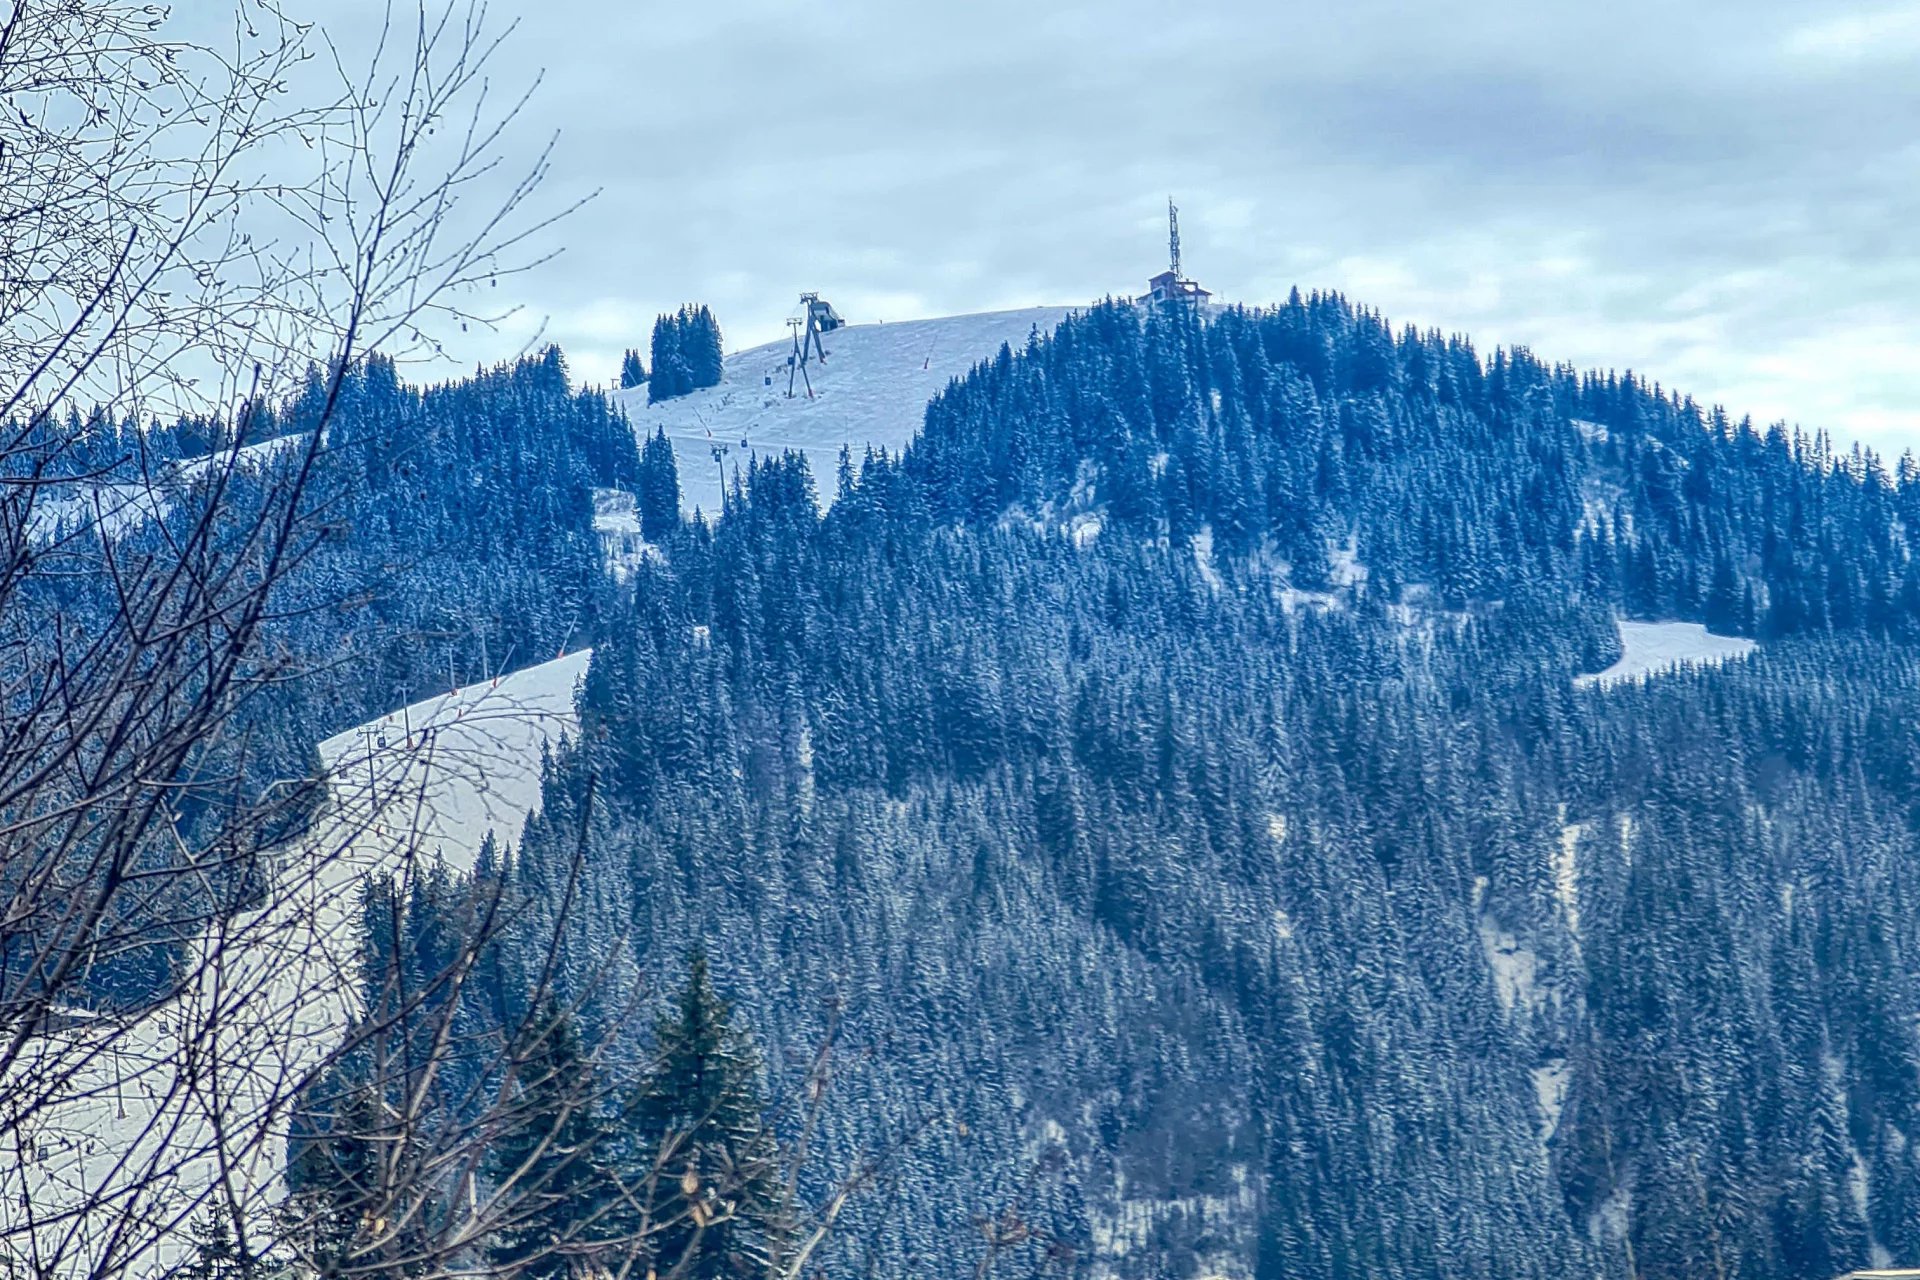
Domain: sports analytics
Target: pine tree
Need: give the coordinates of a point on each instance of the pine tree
(699, 1125)
(702, 349)
(670, 377)
(218, 1254)
(632, 372)
(551, 1162)
(659, 489)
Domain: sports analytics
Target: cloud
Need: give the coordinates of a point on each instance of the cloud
(1688, 190)
(1877, 36)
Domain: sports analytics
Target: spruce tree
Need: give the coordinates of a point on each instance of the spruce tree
(632, 372)
(218, 1253)
(551, 1162)
(702, 348)
(659, 489)
(699, 1124)
(669, 364)
(332, 1174)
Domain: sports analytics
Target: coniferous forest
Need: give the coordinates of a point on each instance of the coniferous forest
(1174, 765)
(1170, 784)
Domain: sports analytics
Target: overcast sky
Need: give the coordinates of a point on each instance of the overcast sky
(1724, 196)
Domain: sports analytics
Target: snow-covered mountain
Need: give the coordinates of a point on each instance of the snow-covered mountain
(1209, 811)
(872, 389)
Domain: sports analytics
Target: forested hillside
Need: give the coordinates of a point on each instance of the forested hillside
(451, 524)
(445, 535)
(1173, 766)
(1170, 782)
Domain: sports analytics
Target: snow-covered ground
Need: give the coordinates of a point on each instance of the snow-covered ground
(872, 389)
(118, 506)
(616, 522)
(1650, 648)
(251, 456)
(144, 1104)
(451, 768)
(113, 509)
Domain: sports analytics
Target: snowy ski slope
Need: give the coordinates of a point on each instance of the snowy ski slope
(472, 763)
(1650, 648)
(119, 506)
(872, 389)
(142, 1112)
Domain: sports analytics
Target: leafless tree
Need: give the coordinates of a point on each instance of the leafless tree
(426, 1195)
(187, 221)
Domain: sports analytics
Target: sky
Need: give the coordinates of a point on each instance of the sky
(1724, 197)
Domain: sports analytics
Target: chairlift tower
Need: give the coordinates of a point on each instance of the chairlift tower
(797, 358)
(821, 319)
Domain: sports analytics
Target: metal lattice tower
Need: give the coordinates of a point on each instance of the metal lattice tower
(1173, 237)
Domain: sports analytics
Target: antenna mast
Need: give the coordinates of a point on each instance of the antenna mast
(1173, 236)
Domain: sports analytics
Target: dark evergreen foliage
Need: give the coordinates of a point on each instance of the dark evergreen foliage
(219, 1253)
(1175, 763)
(659, 496)
(556, 1156)
(699, 1135)
(451, 537)
(686, 353)
(632, 372)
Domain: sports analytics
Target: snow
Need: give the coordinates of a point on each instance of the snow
(615, 511)
(1343, 566)
(1614, 1217)
(1566, 871)
(251, 456)
(1282, 925)
(465, 762)
(872, 389)
(116, 507)
(113, 509)
(616, 521)
(1604, 504)
(1297, 601)
(136, 1123)
(1650, 648)
(1135, 1221)
(1203, 557)
(1515, 968)
(1550, 1091)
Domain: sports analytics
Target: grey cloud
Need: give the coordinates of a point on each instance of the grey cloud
(1716, 193)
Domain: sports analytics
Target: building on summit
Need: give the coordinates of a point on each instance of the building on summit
(1170, 286)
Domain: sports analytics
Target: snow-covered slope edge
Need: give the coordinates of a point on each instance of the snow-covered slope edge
(450, 768)
(1650, 648)
(117, 507)
(136, 1133)
(872, 389)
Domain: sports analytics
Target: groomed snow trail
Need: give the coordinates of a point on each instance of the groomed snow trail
(145, 1103)
(872, 389)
